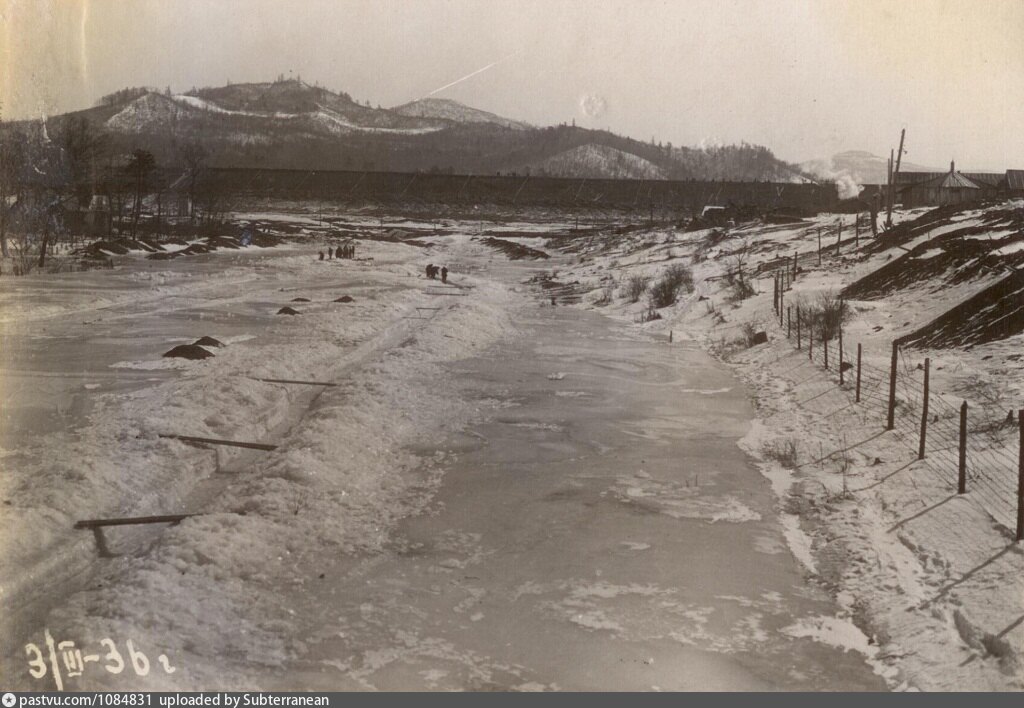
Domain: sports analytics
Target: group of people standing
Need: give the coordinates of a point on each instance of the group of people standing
(347, 250)
(433, 270)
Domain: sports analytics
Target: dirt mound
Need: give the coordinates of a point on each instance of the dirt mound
(288, 311)
(194, 249)
(213, 242)
(164, 256)
(951, 258)
(188, 351)
(208, 342)
(909, 230)
(301, 299)
(514, 251)
(105, 248)
(345, 298)
(265, 240)
(997, 312)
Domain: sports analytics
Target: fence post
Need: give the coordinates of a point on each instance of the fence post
(840, 343)
(858, 373)
(775, 293)
(782, 300)
(789, 321)
(810, 338)
(961, 486)
(924, 411)
(794, 266)
(819, 246)
(891, 422)
(824, 343)
(839, 237)
(799, 344)
(1020, 477)
(856, 232)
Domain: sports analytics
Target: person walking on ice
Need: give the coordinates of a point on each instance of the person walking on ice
(444, 274)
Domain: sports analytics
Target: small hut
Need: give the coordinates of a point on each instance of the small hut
(948, 188)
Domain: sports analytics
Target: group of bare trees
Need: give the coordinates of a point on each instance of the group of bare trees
(68, 179)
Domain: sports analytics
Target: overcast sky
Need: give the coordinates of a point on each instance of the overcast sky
(806, 78)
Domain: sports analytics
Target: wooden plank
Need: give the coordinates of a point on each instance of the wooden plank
(229, 443)
(131, 520)
(293, 381)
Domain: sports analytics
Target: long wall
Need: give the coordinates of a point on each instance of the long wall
(571, 193)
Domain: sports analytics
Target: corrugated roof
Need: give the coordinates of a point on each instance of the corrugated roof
(915, 177)
(1015, 179)
(949, 180)
(988, 179)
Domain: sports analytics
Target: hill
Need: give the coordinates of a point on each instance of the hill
(288, 124)
(597, 161)
(449, 110)
(859, 166)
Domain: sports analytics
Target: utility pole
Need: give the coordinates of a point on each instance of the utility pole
(894, 171)
(889, 195)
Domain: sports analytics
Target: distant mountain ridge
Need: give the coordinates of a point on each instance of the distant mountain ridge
(291, 124)
(860, 166)
(447, 109)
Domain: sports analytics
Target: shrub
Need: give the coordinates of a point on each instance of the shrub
(636, 286)
(782, 451)
(825, 314)
(666, 290)
(749, 330)
(740, 290)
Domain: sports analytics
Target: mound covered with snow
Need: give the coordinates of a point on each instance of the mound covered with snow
(599, 162)
(447, 109)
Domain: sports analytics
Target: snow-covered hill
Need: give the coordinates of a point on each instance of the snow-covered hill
(598, 161)
(447, 109)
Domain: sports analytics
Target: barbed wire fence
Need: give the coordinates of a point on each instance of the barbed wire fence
(971, 449)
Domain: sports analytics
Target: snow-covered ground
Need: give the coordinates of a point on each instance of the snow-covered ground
(934, 578)
(87, 397)
(344, 473)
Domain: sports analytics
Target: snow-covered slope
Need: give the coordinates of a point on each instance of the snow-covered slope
(245, 107)
(599, 161)
(447, 109)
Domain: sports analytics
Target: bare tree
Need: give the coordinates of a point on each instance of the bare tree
(139, 168)
(82, 144)
(12, 163)
(195, 157)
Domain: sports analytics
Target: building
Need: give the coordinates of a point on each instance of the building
(1015, 183)
(947, 188)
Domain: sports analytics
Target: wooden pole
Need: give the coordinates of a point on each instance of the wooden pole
(1020, 477)
(775, 293)
(924, 411)
(891, 421)
(128, 521)
(840, 343)
(789, 321)
(793, 279)
(856, 232)
(799, 344)
(961, 486)
(810, 338)
(782, 298)
(839, 237)
(824, 343)
(302, 383)
(819, 246)
(214, 441)
(857, 400)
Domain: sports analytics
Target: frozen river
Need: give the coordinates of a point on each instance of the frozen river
(602, 531)
(498, 494)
